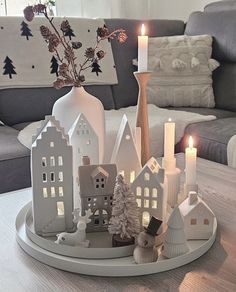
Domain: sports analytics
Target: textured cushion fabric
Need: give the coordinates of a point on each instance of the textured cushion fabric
(211, 138)
(220, 25)
(10, 147)
(30, 104)
(221, 6)
(126, 92)
(181, 71)
(224, 86)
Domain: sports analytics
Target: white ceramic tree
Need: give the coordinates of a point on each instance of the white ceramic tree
(125, 212)
(175, 243)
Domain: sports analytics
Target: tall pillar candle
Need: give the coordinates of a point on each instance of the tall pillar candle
(142, 51)
(169, 160)
(190, 163)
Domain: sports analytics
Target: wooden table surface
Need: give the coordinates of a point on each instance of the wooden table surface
(214, 271)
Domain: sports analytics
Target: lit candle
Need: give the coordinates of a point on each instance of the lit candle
(169, 140)
(190, 163)
(142, 50)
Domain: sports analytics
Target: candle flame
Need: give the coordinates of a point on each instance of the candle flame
(143, 29)
(169, 120)
(190, 142)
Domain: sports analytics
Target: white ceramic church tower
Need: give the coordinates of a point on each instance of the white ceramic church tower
(126, 152)
(51, 173)
(84, 142)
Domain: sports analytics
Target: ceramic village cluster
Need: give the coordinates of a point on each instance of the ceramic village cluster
(71, 188)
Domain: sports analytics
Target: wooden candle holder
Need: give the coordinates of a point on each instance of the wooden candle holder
(142, 114)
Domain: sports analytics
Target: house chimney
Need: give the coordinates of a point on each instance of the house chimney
(86, 160)
(192, 198)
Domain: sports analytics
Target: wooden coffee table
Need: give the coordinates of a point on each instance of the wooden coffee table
(214, 271)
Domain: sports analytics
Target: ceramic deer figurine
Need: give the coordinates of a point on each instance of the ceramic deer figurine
(78, 238)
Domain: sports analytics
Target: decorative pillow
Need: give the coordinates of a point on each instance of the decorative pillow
(182, 71)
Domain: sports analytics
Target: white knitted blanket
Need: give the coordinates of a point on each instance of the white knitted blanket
(26, 61)
(231, 152)
(157, 118)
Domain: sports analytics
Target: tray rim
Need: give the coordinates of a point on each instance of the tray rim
(118, 267)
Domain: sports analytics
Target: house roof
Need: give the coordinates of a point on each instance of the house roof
(99, 170)
(186, 208)
(49, 122)
(76, 125)
(176, 219)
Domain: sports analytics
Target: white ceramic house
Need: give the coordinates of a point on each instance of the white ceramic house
(97, 184)
(149, 188)
(84, 141)
(51, 173)
(126, 152)
(198, 218)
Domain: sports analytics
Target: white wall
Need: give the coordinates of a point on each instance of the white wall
(140, 9)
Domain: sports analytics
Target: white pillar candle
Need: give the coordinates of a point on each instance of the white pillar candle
(142, 51)
(169, 141)
(190, 163)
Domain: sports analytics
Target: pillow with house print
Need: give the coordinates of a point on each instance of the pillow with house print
(181, 71)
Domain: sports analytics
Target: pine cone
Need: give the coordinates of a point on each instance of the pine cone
(76, 45)
(59, 83)
(54, 40)
(29, 13)
(39, 8)
(102, 32)
(122, 37)
(89, 53)
(51, 48)
(100, 54)
(63, 70)
(81, 78)
(65, 26)
(45, 32)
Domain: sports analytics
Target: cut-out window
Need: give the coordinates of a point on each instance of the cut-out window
(206, 222)
(87, 132)
(44, 161)
(45, 192)
(60, 160)
(94, 199)
(88, 142)
(154, 193)
(146, 176)
(146, 192)
(44, 177)
(53, 193)
(138, 191)
(154, 204)
(61, 192)
(52, 161)
(193, 221)
(103, 186)
(97, 179)
(145, 219)
(132, 176)
(105, 198)
(127, 137)
(60, 176)
(146, 203)
(51, 144)
(96, 213)
(60, 209)
(89, 199)
(97, 186)
(138, 202)
(52, 175)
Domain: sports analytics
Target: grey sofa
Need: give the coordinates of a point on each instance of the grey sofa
(19, 107)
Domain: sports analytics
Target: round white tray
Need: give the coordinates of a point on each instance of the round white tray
(102, 241)
(118, 267)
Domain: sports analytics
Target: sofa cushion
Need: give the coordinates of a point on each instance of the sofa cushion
(220, 6)
(29, 104)
(10, 147)
(211, 138)
(126, 92)
(181, 71)
(220, 25)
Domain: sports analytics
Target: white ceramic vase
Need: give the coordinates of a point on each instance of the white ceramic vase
(68, 107)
